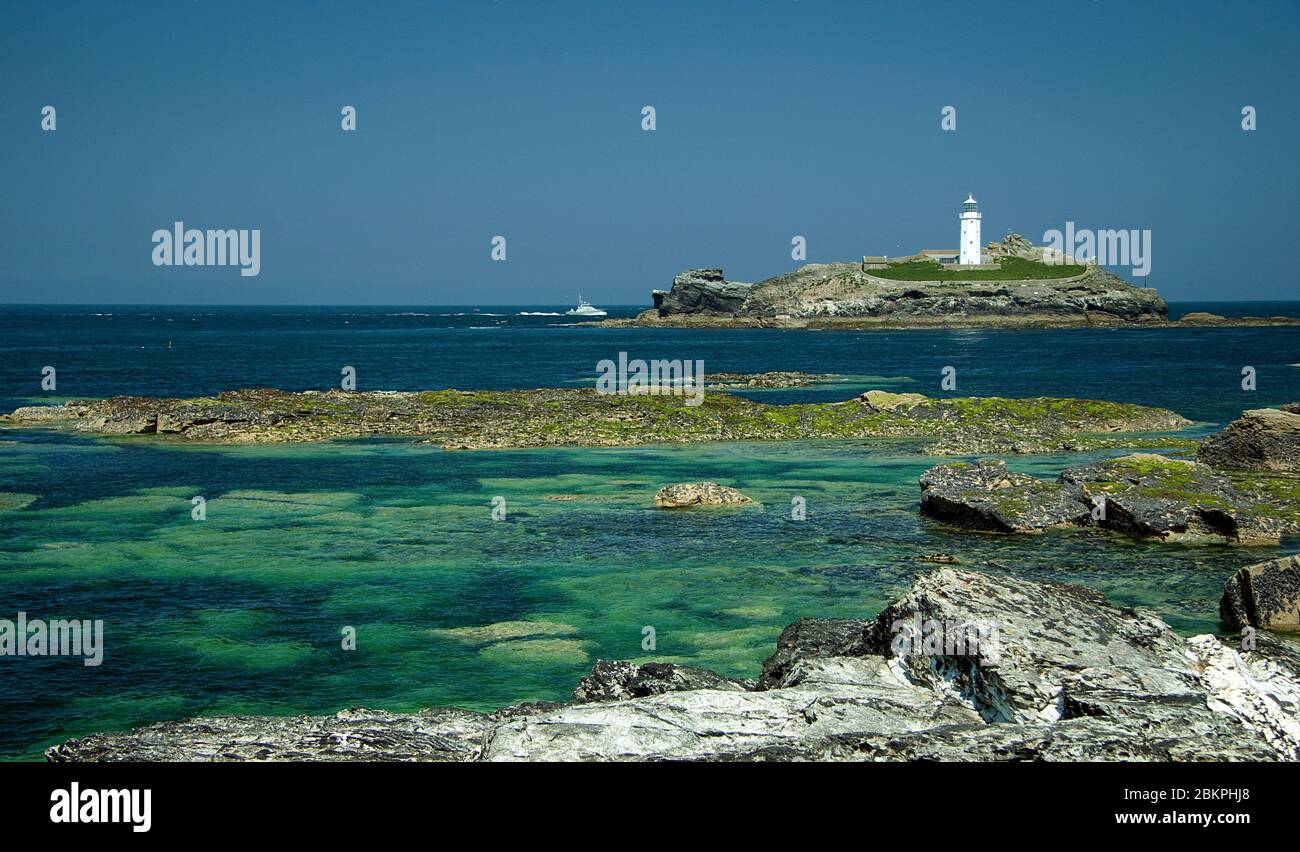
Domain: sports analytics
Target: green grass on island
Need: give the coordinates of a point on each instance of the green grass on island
(1009, 269)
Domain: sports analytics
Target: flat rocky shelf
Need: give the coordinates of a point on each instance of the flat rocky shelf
(582, 417)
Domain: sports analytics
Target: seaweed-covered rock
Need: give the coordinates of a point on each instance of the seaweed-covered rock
(878, 400)
(987, 496)
(550, 417)
(1142, 494)
(1264, 595)
(1155, 496)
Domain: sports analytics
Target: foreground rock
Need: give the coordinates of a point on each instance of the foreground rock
(683, 495)
(570, 417)
(1262, 439)
(1266, 595)
(1059, 674)
(438, 735)
(1143, 495)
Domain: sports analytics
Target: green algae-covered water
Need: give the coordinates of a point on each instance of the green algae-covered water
(244, 612)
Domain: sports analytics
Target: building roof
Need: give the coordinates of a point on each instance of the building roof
(940, 251)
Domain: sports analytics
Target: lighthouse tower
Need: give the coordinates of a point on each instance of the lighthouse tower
(970, 232)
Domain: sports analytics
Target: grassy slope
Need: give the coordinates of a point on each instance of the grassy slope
(1010, 269)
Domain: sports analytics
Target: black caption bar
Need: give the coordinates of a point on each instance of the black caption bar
(330, 801)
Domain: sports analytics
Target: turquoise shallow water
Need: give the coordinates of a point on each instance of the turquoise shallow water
(242, 612)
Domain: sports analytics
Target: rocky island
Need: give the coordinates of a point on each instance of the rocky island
(1019, 288)
(1075, 678)
(551, 417)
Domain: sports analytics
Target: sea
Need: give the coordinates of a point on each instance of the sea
(390, 574)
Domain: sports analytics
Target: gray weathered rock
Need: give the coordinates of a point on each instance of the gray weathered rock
(813, 639)
(1262, 439)
(703, 291)
(682, 495)
(439, 734)
(616, 680)
(1264, 595)
(1260, 686)
(823, 697)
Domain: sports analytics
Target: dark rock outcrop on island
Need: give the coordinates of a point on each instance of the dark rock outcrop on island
(551, 417)
(683, 495)
(1266, 595)
(703, 291)
(1262, 439)
(1060, 675)
(1143, 495)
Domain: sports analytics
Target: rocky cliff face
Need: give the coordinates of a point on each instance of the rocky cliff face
(1060, 675)
(704, 291)
(844, 291)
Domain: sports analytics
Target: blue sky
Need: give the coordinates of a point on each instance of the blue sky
(523, 119)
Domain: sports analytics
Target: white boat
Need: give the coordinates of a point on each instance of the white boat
(585, 309)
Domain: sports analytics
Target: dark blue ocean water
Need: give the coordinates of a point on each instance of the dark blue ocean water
(188, 351)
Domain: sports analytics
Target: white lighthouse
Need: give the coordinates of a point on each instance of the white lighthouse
(970, 232)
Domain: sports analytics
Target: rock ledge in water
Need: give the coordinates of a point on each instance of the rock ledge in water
(683, 495)
(1265, 595)
(565, 417)
(1262, 439)
(1144, 495)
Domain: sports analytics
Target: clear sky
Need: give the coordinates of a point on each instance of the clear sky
(523, 119)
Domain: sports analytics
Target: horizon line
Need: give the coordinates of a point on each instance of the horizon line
(437, 304)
